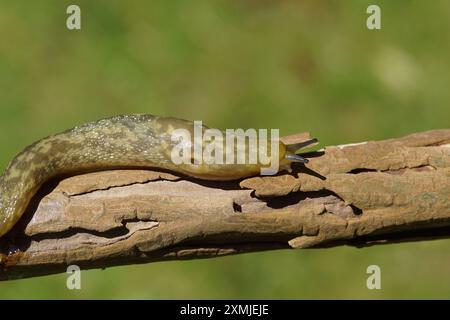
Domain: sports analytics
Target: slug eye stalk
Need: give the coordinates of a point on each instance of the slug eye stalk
(296, 158)
(292, 156)
(296, 146)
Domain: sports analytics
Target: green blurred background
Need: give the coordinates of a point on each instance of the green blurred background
(295, 65)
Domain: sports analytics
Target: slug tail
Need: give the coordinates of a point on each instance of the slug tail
(4, 219)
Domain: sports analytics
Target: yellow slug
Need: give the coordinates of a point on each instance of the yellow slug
(117, 142)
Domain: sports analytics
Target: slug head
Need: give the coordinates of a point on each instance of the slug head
(288, 155)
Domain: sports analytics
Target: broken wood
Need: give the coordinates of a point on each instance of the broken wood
(358, 194)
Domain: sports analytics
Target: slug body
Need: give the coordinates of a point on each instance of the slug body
(119, 142)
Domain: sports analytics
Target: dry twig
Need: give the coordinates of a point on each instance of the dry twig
(359, 194)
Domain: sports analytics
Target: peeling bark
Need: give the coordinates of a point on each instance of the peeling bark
(358, 194)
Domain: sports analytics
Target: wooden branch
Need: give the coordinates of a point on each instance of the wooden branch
(359, 194)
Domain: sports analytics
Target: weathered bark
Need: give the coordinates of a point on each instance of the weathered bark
(359, 194)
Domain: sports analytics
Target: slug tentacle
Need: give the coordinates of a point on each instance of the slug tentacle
(296, 158)
(117, 142)
(296, 146)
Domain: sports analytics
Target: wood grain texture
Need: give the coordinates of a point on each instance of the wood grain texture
(358, 194)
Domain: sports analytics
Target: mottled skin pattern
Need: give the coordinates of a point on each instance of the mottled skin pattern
(118, 142)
